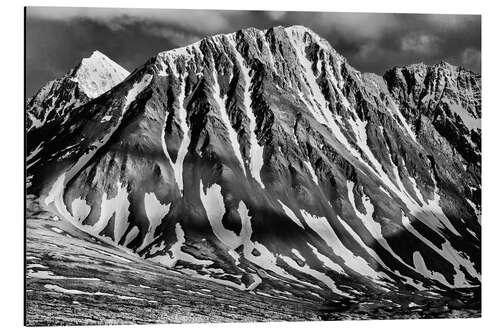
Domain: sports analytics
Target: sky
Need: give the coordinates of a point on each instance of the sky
(57, 38)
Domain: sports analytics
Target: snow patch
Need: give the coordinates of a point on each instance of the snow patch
(136, 89)
(155, 211)
(256, 151)
(419, 263)
(35, 151)
(233, 136)
(105, 118)
(98, 74)
(317, 275)
(311, 171)
(291, 214)
(448, 253)
(213, 202)
(80, 209)
(373, 227)
(58, 289)
(176, 253)
(469, 121)
(326, 261)
(117, 206)
(321, 226)
(186, 140)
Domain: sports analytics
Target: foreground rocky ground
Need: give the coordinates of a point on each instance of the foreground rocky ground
(75, 279)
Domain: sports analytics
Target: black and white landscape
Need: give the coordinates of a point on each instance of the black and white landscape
(253, 176)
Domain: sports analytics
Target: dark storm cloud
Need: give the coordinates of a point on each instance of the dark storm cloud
(57, 38)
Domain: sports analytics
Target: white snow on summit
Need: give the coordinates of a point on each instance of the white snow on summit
(97, 74)
(91, 78)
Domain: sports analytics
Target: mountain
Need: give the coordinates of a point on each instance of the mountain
(263, 161)
(54, 102)
(91, 78)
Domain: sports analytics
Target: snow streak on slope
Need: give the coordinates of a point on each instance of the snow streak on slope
(186, 139)
(175, 252)
(246, 225)
(214, 206)
(432, 215)
(326, 261)
(371, 225)
(136, 89)
(291, 214)
(213, 202)
(311, 172)
(317, 275)
(256, 151)
(469, 121)
(168, 59)
(379, 260)
(155, 212)
(117, 207)
(321, 226)
(315, 97)
(401, 120)
(449, 253)
(315, 101)
(429, 213)
(420, 265)
(233, 136)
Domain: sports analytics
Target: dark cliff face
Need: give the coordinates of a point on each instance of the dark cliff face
(449, 96)
(264, 157)
(443, 103)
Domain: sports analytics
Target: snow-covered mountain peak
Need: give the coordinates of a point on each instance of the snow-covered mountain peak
(445, 64)
(92, 77)
(301, 31)
(97, 74)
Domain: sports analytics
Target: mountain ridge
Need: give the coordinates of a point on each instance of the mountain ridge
(330, 158)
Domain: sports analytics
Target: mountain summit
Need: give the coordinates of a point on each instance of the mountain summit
(92, 77)
(263, 160)
(97, 74)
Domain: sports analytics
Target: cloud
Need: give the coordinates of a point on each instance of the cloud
(209, 21)
(358, 25)
(471, 58)
(342, 25)
(420, 43)
(449, 22)
(177, 37)
(276, 15)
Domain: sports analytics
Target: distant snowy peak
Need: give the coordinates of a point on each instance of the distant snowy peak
(92, 77)
(98, 74)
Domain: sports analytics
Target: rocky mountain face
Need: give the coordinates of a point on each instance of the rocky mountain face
(91, 78)
(54, 102)
(263, 160)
